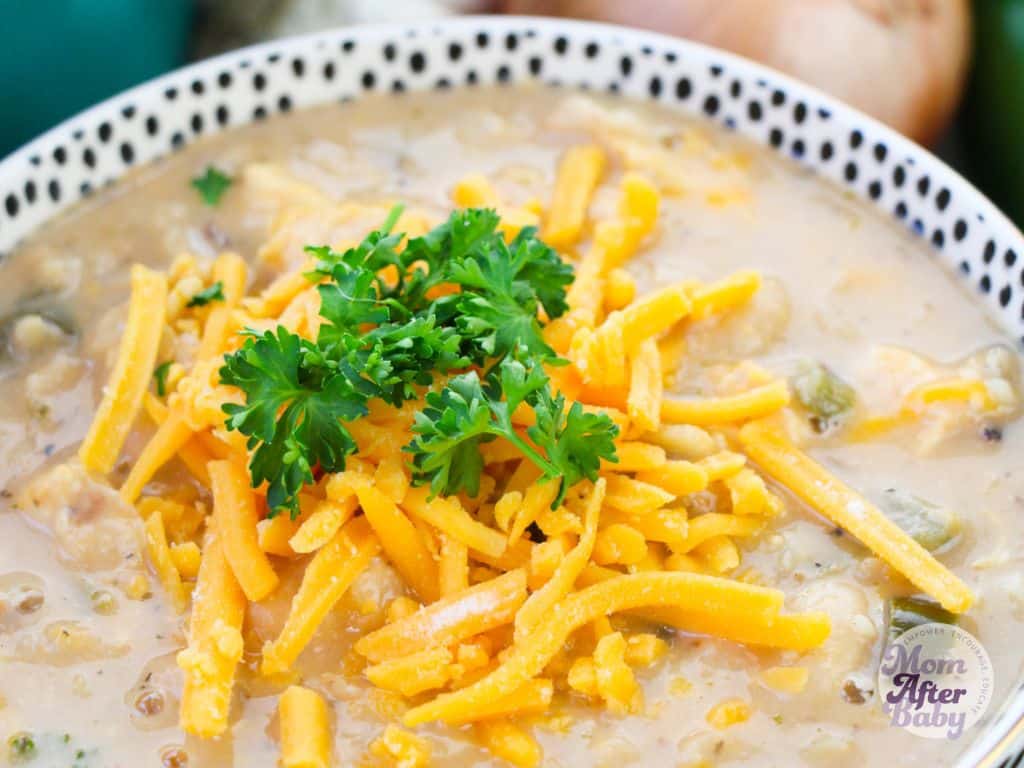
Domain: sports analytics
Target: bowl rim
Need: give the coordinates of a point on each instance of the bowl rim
(1004, 736)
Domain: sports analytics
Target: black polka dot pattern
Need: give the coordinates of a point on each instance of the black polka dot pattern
(909, 185)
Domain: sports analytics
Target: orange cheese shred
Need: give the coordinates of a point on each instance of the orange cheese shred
(234, 508)
(451, 619)
(526, 659)
(327, 577)
(214, 644)
(767, 446)
(136, 357)
(401, 542)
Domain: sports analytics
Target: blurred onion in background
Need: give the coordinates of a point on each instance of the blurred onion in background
(902, 61)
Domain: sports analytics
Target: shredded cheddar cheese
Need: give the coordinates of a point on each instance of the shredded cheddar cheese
(846, 508)
(234, 508)
(578, 176)
(327, 577)
(214, 644)
(305, 729)
(122, 399)
(164, 561)
(512, 598)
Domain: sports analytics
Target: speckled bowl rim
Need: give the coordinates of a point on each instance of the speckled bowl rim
(968, 233)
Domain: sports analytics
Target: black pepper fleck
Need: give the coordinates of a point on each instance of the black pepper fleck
(992, 434)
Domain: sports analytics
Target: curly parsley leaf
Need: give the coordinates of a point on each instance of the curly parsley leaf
(565, 445)
(426, 261)
(450, 429)
(212, 185)
(213, 292)
(293, 413)
(414, 352)
(574, 440)
(391, 359)
(503, 286)
(539, 266)
(347, 303)
(160, 377)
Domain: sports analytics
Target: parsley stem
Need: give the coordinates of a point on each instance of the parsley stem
(393, 216)
(549, 469)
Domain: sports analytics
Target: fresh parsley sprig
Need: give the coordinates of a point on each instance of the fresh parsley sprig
(201, 298)
(566, 444)
(160, 377)
(394, 319)
(211, 185)
(293, 414)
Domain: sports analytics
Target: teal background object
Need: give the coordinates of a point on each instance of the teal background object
(58, 57)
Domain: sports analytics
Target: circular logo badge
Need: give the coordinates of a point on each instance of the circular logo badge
(935, 681)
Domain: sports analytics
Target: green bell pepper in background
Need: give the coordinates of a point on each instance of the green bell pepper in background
(60, 56)
(993, 115)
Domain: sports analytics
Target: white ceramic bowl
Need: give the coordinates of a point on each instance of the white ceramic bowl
(968, 234)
